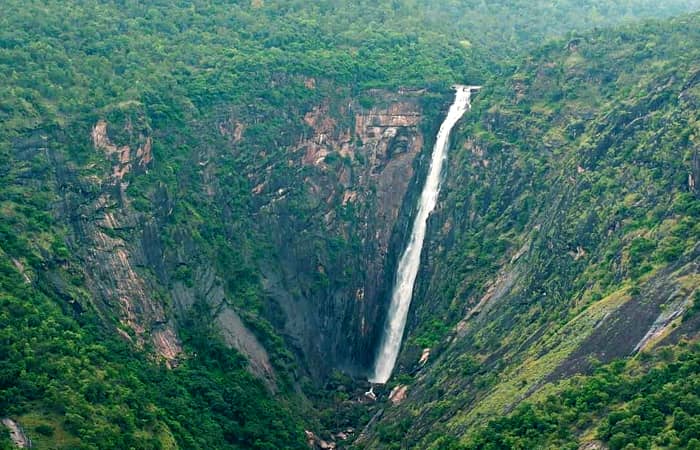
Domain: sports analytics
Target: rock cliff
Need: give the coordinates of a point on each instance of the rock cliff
(333, 210)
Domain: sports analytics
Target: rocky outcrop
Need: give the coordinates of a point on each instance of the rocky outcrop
(398, 394)
(121, 157)
(316, 443)
(111, 240)
(392, 138)
(206, 286)
(240, 337)
(17, 434)
(593, 445)
(331, 200)
(358, 165)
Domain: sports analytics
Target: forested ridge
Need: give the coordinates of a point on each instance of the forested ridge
(156, 157)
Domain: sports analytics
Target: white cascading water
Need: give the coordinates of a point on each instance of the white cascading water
(410, 259)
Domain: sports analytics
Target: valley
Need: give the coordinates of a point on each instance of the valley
(221, 219)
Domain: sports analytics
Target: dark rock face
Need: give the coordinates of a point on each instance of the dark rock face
(114, 241)
(646, 317)
(331, 207)
(332, 296)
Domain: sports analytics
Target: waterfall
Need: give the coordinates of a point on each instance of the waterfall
(410, 258)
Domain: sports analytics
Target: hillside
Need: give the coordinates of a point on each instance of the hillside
(203, 204)
(568, 238)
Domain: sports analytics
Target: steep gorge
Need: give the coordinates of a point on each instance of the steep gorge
(341, 187)
(154, 265)
(198, 248)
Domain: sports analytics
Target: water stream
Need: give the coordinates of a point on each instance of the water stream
(410, 258)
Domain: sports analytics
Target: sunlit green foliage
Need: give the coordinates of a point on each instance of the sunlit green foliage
(657, 408)
(169, 67)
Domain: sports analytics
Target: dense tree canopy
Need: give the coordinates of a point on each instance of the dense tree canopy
(168, 68)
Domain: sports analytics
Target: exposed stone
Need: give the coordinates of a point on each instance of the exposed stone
(310, 83)
(495, 291)
(398, 394)
(578, 254)
(342, 436)
(110, 272)
(371, 395)
(20, 267)
(233, 129)
(167, 345)
(239, 336)
(144, 153)
(258, 189)
(398, 114)
(674, 307)
(317, 443)
(123, 164)
(315, 153)
(17, 434)
(349, 197)
(424, 356)
(323, 140)
(357, 157)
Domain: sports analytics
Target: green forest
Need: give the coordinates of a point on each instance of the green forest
(192, 200)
